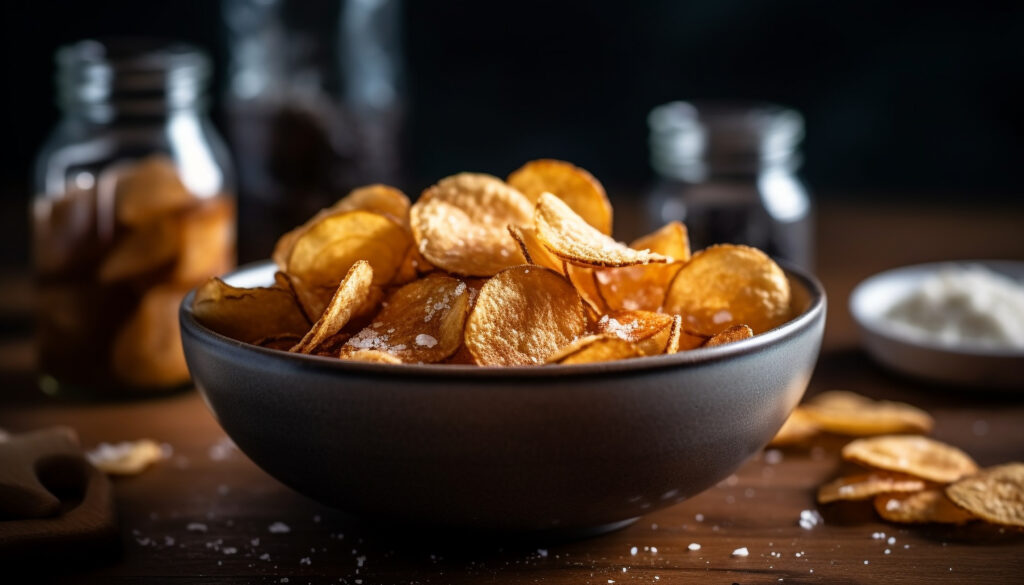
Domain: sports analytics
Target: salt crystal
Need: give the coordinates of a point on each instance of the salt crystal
(654, 550)
(229, 550)
(542, 553)
(699, 517)
(426, 340)
(265, 557)
(196, 527)
(741, 552)
(633, 551)
(693, 546)
(360, 560)
(772, 456)
(892, 540)
(222, 449)
(887, 551)
(255, 541)
(305, 561)
(284, 579)
(168, 541)
(892, 505)
(279, 528)
(809, 519)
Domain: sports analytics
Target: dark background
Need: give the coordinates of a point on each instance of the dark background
(915, 100)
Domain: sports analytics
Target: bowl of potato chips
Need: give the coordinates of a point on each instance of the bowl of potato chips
(491, 358)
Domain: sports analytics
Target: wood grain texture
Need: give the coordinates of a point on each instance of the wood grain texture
(206, 514)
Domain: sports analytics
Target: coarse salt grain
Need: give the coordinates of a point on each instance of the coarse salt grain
(279, 528)
(693, 546)
(809, 519)
(426, 340)
(741, 552)
(633, 551)
(229, 550)
(305, 561)
(196, 527)
(773, 456)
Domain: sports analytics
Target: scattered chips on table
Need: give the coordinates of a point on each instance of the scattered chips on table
(996, 494)
(924, 506)
(911, 454)
(480, 271)
(125, 458)
(847, 413)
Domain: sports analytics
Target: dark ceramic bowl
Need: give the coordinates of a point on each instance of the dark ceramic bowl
(568, 449)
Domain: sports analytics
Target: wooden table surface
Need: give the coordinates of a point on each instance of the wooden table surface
(204, 515)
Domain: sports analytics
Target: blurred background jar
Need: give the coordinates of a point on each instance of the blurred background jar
(728, 171)
(133, 207)
(312, 106)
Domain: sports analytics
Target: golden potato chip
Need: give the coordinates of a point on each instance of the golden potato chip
(730, 335)
(636, 288)
(147, 350)
(421, 322)
(522, 315)
(460, 224)
(323, 254)
(797, 429)
(594, 348)
(670, 240)
(925, 506)
(125, 458)
(868, 485)
(728, 285)
(533, 250)
(248, 314)
(651, 333)
(569, 237)
(207, 242)
(148, 190)
(911, 454)
(578, 188)
(847, 413)
(412, 267)
(142, 250)
(461, 357)
(585, 283)
(350, 296)
(368, 355)
(381, 199)
(995, 495)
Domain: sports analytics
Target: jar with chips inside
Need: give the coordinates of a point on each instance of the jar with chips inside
(729, 172)
(133, 207)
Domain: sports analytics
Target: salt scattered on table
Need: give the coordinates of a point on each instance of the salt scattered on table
(809, 519)
(741, 552)
(196, 527)
(693, 546)
(279, 528)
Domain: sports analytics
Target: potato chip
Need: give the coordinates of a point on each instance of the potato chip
(350, 296)
(594, 348)
(421, 322)
(522, 315)
(730, 335)
(207, 242)
(926, 506)
(460, 224)
(413, 265)
(533, 250)
(375, 356)
(636, 288)
(847, 413)
(585, 283)
(911, 454)
(143, 250)
(461, 357)
(147, 350)
(281, 342)
(797, 429)
(381, 199)
(578, 188)
(670, 240)
(248, 314)
(569, 237)
(651, 333)
(323, 254)
(868, 485)
(148, 190)
(996, 494)
(728, 285)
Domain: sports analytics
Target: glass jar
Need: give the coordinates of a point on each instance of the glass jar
(728, 171)
(133, 207)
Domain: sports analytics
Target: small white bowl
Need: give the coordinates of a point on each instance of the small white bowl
(890, 345)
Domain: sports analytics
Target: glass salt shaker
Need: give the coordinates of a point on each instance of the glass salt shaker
(133, 207)
(728, 171)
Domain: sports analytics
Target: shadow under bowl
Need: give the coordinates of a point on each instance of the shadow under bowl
(571, 449)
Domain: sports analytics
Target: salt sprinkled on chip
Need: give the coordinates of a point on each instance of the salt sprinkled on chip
(741, 552)
(426, 340)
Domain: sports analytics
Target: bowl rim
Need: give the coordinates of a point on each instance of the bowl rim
(872, 322)
(791, 328)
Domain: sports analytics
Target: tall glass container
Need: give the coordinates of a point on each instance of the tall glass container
(133, 207)
(728, 170)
